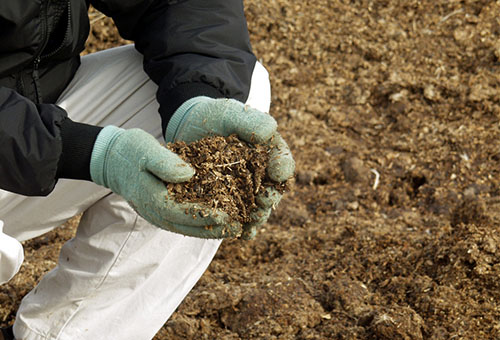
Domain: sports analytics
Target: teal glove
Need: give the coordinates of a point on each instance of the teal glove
(134, 165)
(200, 117)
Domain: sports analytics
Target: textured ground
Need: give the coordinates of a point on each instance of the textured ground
(392, 111)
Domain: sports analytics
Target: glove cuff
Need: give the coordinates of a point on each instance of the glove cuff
(180, 116)
(104, 140)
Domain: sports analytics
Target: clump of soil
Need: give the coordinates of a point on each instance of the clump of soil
(230, 175)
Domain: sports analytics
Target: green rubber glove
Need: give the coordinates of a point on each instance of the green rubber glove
(200, 117)
(134, 165)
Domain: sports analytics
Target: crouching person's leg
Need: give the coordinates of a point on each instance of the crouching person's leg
(119, 278)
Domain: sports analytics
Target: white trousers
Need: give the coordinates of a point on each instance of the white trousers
(120, 277)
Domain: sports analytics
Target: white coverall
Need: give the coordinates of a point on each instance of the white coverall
(120, 277)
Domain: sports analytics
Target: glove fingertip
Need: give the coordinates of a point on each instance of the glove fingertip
(269, 199)
(229, 227)
(252, 125)
(169, 167)
(249, 233)
(281, 169)
(266, 129)
(183, 172)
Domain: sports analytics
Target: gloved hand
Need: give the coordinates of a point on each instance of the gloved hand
(200, 117)
(133, 164)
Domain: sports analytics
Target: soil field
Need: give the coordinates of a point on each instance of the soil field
(392, 231)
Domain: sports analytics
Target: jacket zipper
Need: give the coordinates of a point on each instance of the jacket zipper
(40, 57)
(36, 61)
(36, 79)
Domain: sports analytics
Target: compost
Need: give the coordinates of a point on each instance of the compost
(229, 175)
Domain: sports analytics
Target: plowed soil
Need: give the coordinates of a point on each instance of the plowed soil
(392, 231)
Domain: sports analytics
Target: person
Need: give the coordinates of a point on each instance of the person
(83, 135)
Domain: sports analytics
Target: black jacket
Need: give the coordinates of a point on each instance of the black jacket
(190, 48)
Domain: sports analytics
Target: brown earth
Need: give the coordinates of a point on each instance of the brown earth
(391, 109)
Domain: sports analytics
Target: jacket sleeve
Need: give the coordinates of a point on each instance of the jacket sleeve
(190, 47)
(39, 144)
(30, 144)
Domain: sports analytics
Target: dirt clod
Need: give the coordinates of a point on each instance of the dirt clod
(354, 170)
(398, 323)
